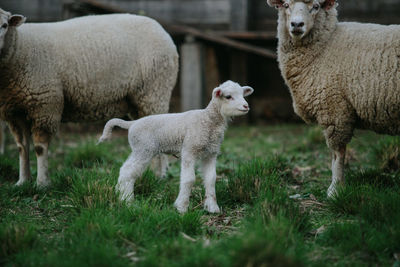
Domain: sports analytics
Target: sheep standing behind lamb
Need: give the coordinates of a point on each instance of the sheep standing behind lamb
(341, 75)
(196, 135)
(81, 70)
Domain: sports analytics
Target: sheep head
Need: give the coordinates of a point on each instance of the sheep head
(300, 15)
(8, 21)
(230, 98)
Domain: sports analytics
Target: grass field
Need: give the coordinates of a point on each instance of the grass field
(271, 187)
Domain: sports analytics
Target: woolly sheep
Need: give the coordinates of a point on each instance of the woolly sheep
(196, 135)
(341, 75)
(81, 70)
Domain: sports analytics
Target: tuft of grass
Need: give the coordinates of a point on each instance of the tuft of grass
(8, 168)
(92, 191)
(250, 179)
(88, 155)
(16, 238)
(387, 153)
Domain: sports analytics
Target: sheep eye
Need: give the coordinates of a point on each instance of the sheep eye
(316, 6)
(228, 97)
(286, 5)
(4, 26)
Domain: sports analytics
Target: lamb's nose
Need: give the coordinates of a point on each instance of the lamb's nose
(246, 106)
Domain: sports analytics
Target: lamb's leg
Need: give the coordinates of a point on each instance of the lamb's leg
(41, 142)
(129, 172)
(160, 165)
(210, 175)
(338, 157)
(3, 127)
(187, 180)
(21, 135)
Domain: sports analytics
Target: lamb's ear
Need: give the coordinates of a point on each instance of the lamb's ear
(16, 20)
(217, 92)
(275, 3)
(328, 4)
(247, 90)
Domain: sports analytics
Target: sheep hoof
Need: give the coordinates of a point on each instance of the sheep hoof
(43, 184)
(20, 182)
(211, 206)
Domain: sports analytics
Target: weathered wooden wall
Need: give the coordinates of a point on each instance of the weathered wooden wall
(210, 12)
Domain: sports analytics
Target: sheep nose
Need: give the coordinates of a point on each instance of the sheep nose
(297, 24)
(246, 106)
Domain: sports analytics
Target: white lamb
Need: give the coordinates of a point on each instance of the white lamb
(196, 135)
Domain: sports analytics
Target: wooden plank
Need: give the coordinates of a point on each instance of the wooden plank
(191, 75)
(239, 15)
(213, 37)
(253, 35)
(179, 11)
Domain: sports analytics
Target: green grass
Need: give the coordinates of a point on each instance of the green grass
(80, 222)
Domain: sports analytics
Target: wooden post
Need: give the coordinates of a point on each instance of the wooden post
(239, 15)
(211, 75)
(191, 74)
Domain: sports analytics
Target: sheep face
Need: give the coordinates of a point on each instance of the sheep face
(6, 21)
(230, 97)
(301, 14)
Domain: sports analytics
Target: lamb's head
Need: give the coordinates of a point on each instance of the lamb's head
(229, 96)
(7, 22)
(300, 15)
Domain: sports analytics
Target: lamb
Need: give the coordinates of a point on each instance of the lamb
(81, 70)
(195, 134)
(341, 75)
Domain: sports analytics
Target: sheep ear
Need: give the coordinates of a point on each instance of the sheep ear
(328, 4)
(16, 20)
(247, 90)
(217, 92)
(275, 3)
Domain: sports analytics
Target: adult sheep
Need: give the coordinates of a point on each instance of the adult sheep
(85, 69)
(341, 75)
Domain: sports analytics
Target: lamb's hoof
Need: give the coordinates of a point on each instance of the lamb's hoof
(211, 206)
(181, 207)
(127, 198)
(332, 192)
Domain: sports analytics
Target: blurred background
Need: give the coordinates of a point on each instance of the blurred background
(217, 40)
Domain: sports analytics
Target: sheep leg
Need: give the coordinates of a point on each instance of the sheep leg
(41, 142)
(186, 183)
(2, 137)
(129, 172)
(210, 175)
(338, 157)
(21, 135)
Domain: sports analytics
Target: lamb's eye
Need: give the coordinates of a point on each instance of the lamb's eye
(4, 26)
(316, 6)
(228, 97)
(286, 5)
